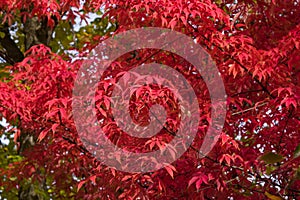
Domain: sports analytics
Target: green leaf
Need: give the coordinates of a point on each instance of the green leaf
(297, 152)
(12, 178)
(2, 35)
(218, 2)
(270, 169)
(297, 174)
(272, 197)
(271, 158)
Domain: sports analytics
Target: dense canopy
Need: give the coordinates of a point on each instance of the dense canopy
(255, 45)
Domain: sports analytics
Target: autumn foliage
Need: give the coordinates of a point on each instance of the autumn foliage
(256, 47)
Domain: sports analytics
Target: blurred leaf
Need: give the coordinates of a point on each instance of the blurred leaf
(272, 197)
(297, 174)
(270, 169)
(12, 178)
(271, 158)
(297, 152)
(2, 35)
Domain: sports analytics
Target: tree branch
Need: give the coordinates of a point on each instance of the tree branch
(12, 53)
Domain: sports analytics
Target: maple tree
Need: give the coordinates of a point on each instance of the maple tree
(255, 45)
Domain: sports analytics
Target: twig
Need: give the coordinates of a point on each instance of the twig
(242, 111)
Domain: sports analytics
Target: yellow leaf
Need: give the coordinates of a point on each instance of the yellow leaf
(272, 197)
